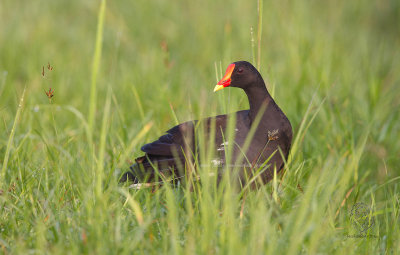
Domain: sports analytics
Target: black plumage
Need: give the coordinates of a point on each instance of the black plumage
(270, 141)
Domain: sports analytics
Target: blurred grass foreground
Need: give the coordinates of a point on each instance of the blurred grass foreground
(83, 84)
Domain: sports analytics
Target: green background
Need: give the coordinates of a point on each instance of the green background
(332, 66)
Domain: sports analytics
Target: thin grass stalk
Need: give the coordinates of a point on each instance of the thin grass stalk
(103, 137)
(173, 222)
(54, 121)
(297, 220)
(138, 101)
(305, 124)
(134, 205)
(96, 64)
(11, 138)
(259, 32)
(173, 113)
(146, 128)
(253, 47)
(3, 82)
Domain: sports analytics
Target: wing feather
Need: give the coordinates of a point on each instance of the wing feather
(177, 138)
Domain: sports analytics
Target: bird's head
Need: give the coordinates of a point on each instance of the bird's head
(240, 74)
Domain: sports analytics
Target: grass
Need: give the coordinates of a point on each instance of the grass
(332, 66)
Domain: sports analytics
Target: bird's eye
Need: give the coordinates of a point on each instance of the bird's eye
(240, 70)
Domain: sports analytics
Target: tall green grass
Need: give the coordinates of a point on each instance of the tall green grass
(96, 65)
(332, 66)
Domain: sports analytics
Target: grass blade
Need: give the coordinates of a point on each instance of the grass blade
(96, 64)
(11, 137)
(103, 138)
(259, 32)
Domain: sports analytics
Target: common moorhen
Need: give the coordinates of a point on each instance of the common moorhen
(268, 143)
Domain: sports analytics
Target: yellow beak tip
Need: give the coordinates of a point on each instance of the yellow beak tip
(218, 87)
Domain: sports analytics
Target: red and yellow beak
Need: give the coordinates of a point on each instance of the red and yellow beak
(226, 80)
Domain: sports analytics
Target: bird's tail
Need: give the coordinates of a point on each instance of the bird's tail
(151, 172)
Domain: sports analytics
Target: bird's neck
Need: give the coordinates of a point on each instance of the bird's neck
(259, 99)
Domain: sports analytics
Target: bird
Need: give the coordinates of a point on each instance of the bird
(261, 141)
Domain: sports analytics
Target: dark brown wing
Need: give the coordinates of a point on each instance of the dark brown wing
(170, 151)
(174, 142)
(166, 154)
